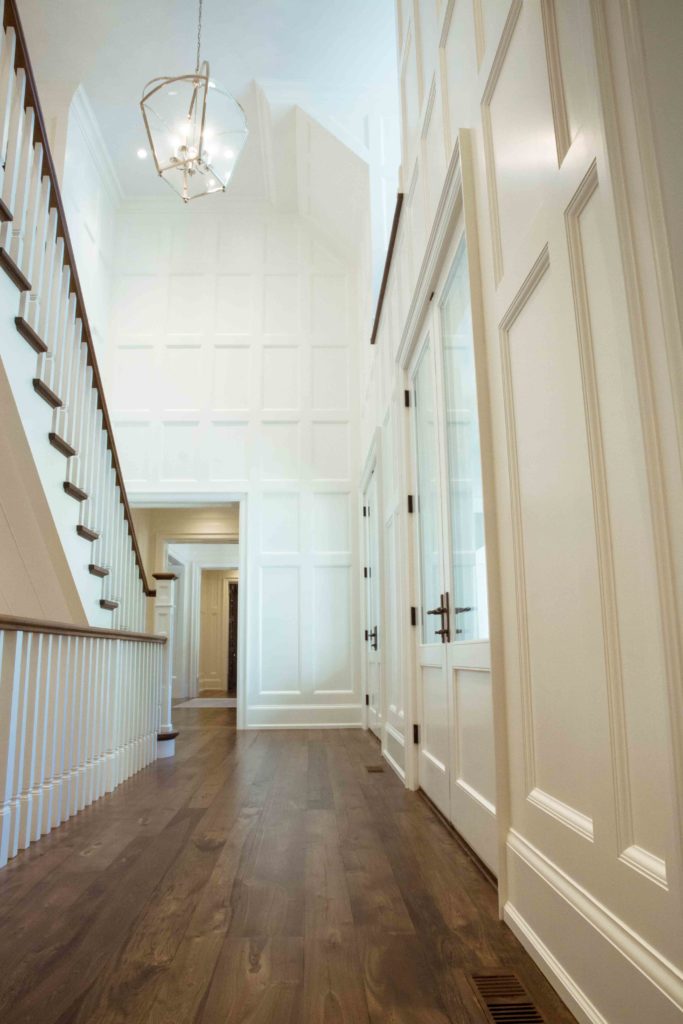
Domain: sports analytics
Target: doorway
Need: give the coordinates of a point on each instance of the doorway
(456, 753)
(218, 634)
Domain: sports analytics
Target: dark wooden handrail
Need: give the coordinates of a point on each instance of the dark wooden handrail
(14, 624)
(387, 266)
(21, 60)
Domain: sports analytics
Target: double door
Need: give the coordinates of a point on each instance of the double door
(456, 760)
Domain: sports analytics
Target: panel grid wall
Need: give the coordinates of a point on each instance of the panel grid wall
(581, 578)
(232, 368)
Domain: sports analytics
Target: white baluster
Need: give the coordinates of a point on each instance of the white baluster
(16, 123)
(11, 660)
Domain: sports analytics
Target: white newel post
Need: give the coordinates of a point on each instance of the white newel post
(164, 611)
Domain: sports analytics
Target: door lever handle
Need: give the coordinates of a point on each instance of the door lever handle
(372, 637)
(459, 611)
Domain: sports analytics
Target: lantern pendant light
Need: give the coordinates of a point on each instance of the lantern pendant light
(196, 129)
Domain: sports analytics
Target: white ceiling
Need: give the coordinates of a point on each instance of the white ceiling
(339, 53)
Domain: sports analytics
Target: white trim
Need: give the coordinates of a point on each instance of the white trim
(575, 998)
(659, 971)
(84, 116)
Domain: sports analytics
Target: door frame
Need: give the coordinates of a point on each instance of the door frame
(457, 205)
(373, 463)
(180, 499)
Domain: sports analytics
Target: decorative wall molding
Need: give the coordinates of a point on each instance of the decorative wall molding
(562, 812)
(555, 80)
(633, 947)
(489, 153)
(528, 287)
(447, 211)
(81, 109)
(603, 530)
(660, 504)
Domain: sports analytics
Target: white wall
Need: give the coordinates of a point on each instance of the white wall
(580, 456)
(91, 195)
(231, 369)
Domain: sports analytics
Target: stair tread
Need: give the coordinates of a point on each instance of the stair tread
(46, 393)
(98, 570)
(108, 605)
(61, 445)
(74, 491)
(86, 533)
(29, 334)
(13, 271)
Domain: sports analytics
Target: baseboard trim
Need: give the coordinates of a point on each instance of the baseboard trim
(576, 1000)
(592, 925)
(304, 716)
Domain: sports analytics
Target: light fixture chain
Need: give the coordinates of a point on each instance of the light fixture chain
(199, 32)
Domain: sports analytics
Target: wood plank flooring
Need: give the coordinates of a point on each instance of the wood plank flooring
(260, 877)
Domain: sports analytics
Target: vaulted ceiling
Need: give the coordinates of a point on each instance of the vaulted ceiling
(332, 59)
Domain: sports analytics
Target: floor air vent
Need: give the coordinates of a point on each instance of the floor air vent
(375, 767)
(505, 999)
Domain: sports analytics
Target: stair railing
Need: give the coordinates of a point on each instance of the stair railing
(37, 254)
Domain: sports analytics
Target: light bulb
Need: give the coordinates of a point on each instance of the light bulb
(229, 153)
(142, 154)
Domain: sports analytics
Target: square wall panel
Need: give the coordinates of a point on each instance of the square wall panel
(228, 452)
(329, 306)
(188, 296)
(330, 453)
(181, 378)
(180, 448)
(279, 630)
(234, 304)
(330, 369)
(139, 301)
(133, 378)
(331, 524)
(280, 524)
(141, 246)
(282, 304)
(280, 377)
(282, 243)
(331, 629)
(280, 455)
(135, 444)
(193, 245)
(231, 377)
(240, 244)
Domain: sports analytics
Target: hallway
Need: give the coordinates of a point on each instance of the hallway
(258, 876)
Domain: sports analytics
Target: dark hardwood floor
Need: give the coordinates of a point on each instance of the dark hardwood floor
(261, 877)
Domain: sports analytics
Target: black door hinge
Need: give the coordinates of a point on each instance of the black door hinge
(406, 399)
(431, 296)
(367, 699)
(413, 615)
(410, 504)
(365, 511)
(367, 636)
(416, 734)
(365, 571)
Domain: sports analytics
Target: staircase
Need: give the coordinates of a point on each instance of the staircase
(80, 701)
(49, 359)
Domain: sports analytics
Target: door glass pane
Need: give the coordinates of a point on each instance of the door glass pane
(465, 497)
(427, 495)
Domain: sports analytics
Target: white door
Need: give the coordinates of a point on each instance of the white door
(456, 752)
(433, 701)
(373, 658)
(472, 809)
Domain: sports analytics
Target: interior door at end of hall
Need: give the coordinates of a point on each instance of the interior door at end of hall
(434, 753)
(472, 797)
(373, 658)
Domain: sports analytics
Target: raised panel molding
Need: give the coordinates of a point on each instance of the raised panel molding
(610, 933)
(555, 80)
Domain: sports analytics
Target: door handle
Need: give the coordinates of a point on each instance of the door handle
(459, 611)
(372, 637)
(444, 611)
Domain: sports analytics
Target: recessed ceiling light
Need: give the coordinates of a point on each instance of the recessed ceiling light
(142, 154)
